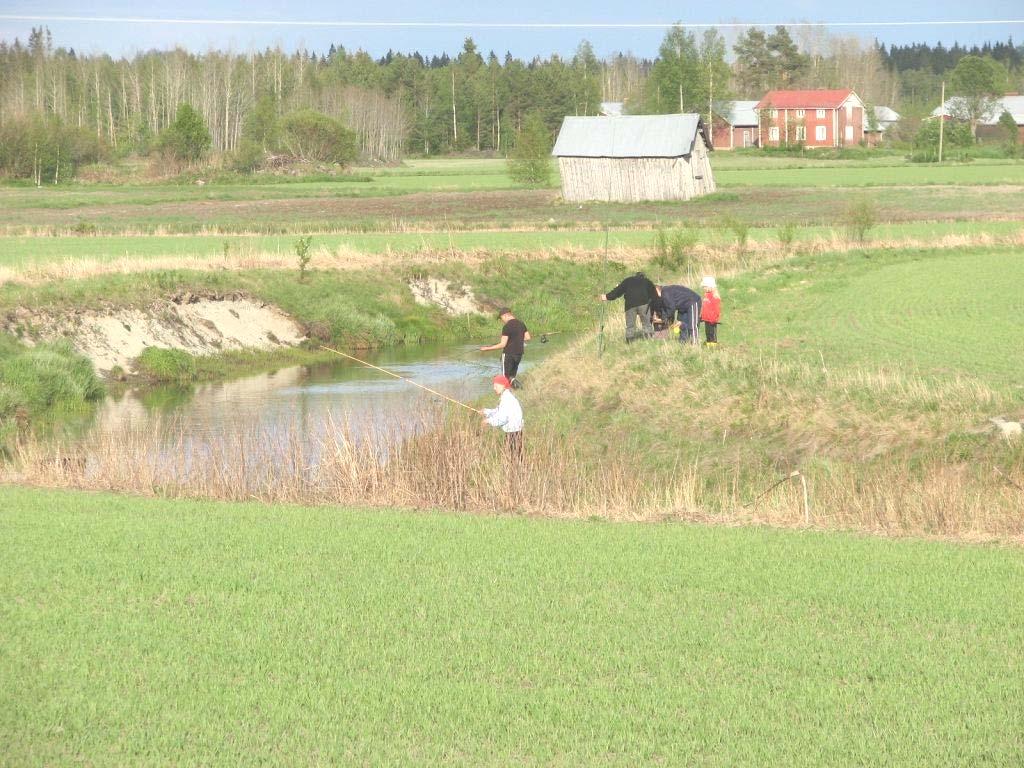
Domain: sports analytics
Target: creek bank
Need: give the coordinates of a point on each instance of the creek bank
(199, 324)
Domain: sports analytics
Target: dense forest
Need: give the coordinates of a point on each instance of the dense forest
(402, 104)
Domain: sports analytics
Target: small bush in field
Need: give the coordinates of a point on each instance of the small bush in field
(302, 253)
(530, 161)
(860, 217)
(787, 234)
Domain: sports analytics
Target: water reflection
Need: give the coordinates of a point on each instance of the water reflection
(310, 401)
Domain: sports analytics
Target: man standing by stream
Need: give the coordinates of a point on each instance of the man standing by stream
(638, 292)
(514, 336)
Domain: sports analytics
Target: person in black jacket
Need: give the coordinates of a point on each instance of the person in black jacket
(684, 304)
(638, 293)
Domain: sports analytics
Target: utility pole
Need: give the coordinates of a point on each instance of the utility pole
(455, 122)
(711, 97)
(942, 117)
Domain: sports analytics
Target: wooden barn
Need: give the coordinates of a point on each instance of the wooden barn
(630, 158)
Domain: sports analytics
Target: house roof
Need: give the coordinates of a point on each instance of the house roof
(1012, 104)
(884, 116)
(814, 99)
(629, 136)
(736, 112)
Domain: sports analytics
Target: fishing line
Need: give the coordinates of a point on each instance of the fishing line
(403, 378)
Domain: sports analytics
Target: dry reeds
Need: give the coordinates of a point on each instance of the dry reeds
(456, 465)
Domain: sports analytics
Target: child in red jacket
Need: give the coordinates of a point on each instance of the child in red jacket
(711, 310)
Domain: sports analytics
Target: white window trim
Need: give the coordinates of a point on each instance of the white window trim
(800, 113)
(819, 113)
(775, 113)
(801, 133)
(773, 133)
(820, 133)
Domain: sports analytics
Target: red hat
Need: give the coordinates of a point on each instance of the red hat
(503, 380)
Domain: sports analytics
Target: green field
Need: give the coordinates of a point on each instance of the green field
(959, 314)
(153, 633)
(873, 176)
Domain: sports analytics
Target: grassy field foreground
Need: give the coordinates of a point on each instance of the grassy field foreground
(150, 632)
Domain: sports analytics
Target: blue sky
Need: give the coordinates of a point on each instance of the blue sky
(124, 39)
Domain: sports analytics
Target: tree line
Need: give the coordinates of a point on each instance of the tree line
(85, 106)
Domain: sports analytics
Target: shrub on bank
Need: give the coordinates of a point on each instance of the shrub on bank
(167, 365)
(44, 378)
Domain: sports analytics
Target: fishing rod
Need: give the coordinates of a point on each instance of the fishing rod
(604, 306)
(544, 336)
(403, 378)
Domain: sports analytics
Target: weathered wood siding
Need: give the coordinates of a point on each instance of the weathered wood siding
(628, 180)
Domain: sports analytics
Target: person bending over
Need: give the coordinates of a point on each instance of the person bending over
(683, 304)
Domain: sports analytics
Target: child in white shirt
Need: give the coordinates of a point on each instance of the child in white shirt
(508, 416)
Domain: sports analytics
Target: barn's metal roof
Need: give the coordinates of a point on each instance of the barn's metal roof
(737, 112)
(629, 136)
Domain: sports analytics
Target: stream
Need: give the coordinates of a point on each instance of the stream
(309, 400)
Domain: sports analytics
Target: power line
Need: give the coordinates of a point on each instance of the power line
(503, 25)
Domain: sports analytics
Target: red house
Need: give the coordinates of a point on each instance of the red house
(812, 118)
(734, 124)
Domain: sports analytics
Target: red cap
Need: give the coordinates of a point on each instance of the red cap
(503, 380)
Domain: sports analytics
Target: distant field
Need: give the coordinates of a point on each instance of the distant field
(18, 252)
(872, 176)
(509, 209)
(152, 632)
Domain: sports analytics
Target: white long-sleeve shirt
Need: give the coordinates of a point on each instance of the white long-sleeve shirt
(508, 415)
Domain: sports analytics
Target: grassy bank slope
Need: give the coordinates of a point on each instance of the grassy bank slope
(874, 374)
(154, 632)
(365, 307)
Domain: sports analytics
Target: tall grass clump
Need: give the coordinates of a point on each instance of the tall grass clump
(170, 366)
(786, 235)
(672, 248)
(860, 217)
(740, 231)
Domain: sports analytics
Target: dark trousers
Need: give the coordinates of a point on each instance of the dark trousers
(689, 317)
(514, 446)
(510, 365)
(711, 332)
